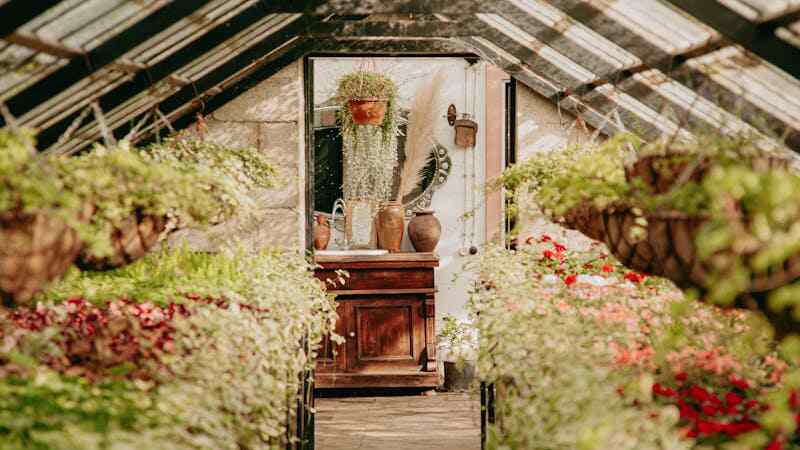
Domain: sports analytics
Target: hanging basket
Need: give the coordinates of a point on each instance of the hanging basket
(662, 172)
(667, 249)
(586, 218)
(36, 249)
(368, 111)
(130, 241)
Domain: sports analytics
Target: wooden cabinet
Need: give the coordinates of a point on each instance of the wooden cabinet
(386, 312)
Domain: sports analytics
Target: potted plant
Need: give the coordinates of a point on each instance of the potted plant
(368, 99)
(369, 146)
(132, 197)
(41, 222)
(458, 346)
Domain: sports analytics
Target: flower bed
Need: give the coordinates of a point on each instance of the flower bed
(178, 350)
(585, 354)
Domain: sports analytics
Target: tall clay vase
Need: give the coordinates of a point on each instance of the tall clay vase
(390, 227)
(424, 231)
(322, 233)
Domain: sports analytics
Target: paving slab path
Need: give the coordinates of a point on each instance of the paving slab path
(445, 421)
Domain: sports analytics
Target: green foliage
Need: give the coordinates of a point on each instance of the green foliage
(458, 339)
(564, 178)
(29, 183)
(363, 85)
(120, 182)
(241, 170)
(581, 359)
(230, 381)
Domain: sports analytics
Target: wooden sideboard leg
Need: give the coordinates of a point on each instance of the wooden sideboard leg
(430, 332)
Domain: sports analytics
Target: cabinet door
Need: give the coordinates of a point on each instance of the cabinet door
(384, 333)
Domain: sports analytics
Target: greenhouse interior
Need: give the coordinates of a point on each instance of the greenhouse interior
(400, 224)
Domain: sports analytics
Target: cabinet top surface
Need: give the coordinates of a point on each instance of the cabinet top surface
(410, 257)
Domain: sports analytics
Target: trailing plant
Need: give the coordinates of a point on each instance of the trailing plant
(366, 85)
(29, 183)
(240, 169)
(369, 164)
(121, 182)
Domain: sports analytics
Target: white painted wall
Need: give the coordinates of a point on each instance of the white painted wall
(452, 279)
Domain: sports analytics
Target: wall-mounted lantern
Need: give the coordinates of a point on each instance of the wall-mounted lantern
(466, 131)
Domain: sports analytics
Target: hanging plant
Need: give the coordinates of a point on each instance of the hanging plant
(241, 170)
(41, 222)
(719, 215)
(368, 98)
(132, 196)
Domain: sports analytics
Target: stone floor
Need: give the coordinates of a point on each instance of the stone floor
(444, 421)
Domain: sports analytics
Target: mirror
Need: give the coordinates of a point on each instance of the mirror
(328, 165)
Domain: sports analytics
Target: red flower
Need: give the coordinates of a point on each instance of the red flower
(775, 445)
(737, 428)
(732, 399)
(548, 254)
(634, 277)
(607, 268)
(709, 426)
(710, 410)
(699, 394)
(663, 391)
(546, 238)
(570, 279)
(794, 401)
(739, 383)
(681, 376)
(559, 248)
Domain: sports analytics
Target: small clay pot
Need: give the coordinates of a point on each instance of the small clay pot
(368, 111)
(390, 227)
(322, 233)
(424, 231)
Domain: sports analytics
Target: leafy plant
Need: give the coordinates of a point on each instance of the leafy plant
(214, 346)
(459, 339)
(121, 182)
(366, 85)
(29, 183)
(241, 170)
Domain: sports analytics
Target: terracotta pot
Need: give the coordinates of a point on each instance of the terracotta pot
(424, 231)
(36, 249)
(322, 233)
(390, 226)
(130, 240)
(368, 111)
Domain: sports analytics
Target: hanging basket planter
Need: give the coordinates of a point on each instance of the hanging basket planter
(667, 248)
(586, 218)
(368, 111)
(661, 172)
(36, 249)
(130, 240)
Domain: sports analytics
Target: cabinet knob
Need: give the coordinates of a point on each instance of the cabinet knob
(352, 334)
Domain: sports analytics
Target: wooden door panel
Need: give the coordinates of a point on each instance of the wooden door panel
(385, 332)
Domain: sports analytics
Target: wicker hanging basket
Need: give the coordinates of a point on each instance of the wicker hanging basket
(130, 240)
(36, 249)
(666, 250)
(662, 172)
(586, 218)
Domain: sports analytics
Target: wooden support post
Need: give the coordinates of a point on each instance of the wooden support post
(430, 332)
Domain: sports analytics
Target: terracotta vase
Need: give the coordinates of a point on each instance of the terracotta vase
(390, 226)
(368, 111)
(322, 233)
(424, 231)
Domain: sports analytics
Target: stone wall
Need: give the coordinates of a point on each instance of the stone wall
(540, 128)
(269, 117)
